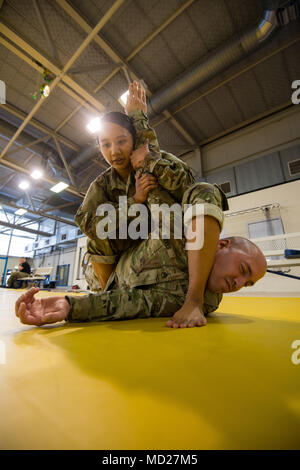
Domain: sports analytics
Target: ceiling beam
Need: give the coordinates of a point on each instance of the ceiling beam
(62, 206)
(46, 31)
(123, 62)
(25, 229)
(61, 74)
(64, 161)
(22, 224)
(30, 201)
(28, 146)
(18, 168)
(35, 65)
(20, 114)
(10, 177)
(41, 213)
(53, 68)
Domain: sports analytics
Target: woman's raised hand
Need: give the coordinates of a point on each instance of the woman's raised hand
(136, 100)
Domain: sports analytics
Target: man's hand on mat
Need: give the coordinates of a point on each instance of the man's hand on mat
(32, 311)
(188, 316)
(136, 100)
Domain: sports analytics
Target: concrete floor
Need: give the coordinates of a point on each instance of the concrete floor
(139, 385)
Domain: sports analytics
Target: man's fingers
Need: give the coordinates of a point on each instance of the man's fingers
(27, 318)
(17, 305)
(17, 308)
(22, 312)
(30, 292)
(23, 298)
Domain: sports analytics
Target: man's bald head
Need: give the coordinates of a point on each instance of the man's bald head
(238, 263)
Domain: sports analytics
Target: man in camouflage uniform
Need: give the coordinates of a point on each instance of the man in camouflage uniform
(151, 278)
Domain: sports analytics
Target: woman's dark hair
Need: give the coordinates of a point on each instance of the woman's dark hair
(122, 120)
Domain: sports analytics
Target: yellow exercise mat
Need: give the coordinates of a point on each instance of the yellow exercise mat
(139, 385)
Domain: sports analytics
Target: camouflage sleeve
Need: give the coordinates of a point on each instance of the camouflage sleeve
(211, 301)
(144, 131)
(86, 216)
(172, 173)
(213, 198)
(127, 303)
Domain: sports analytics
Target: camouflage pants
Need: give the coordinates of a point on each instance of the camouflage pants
(14, 277)
(108, 251)
(161, 300)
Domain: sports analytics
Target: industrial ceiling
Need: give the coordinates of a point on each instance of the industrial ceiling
(203, 72)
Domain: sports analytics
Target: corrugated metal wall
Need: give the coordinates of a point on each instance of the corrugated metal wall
(260, 173)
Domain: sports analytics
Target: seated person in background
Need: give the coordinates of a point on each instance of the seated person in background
(24, 270)
(149, 283)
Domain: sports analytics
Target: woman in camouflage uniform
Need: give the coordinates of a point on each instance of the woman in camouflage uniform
(132, 174)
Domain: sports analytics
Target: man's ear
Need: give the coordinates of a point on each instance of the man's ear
(224, 243)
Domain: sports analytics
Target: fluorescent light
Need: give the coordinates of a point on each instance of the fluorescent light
(36, 174)
(123, 98)
(94, 125)
(24, 185)
(21, 212)
(59, 187)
